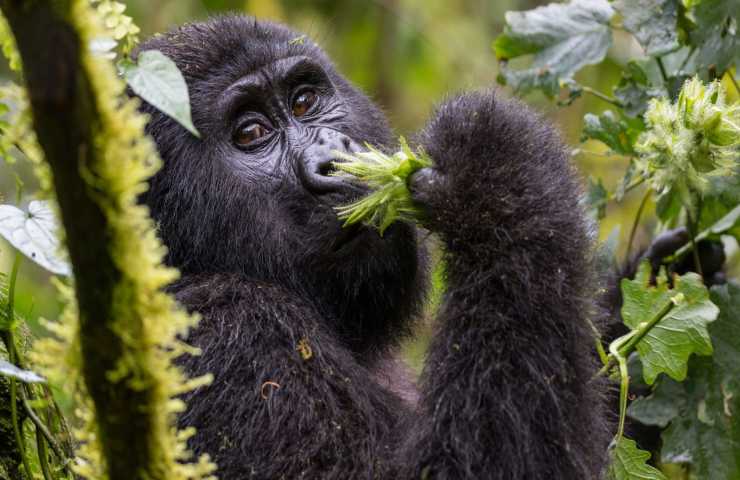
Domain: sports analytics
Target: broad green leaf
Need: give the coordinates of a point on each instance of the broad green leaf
(34, 233)
(661, 406)
(635, 89)
(609, 129)
(668, 206)
(156, 79)
(714, 34)
(667, 346)
(630, 463)
(25, 376)
(562, 37)
(652, 22)
(706, 433)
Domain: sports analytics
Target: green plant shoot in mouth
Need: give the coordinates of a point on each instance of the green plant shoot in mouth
(387, 176)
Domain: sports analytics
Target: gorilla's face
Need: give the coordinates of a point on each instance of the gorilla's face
(256, 195)
(282, 125)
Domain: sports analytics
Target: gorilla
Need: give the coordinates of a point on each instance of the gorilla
(301, 317)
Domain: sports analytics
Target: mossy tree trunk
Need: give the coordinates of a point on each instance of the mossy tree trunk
(66, 120)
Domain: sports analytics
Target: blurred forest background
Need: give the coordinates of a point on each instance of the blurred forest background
(406, 54)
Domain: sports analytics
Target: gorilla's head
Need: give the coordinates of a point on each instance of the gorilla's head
(254, 195)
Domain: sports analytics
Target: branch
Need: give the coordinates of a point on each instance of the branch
(67, 120)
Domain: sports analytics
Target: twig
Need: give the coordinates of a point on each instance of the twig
(636, 223)
(602, 96)
(625, 344)
(692, 238)
(662, 69)
(40, 427)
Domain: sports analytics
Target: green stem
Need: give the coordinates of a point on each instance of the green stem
(662, 69)
(41, 428)
(625, 344)
(10, 346)
(43, 454)
(688, 57)
(599, 346)
(629, 187)
(624, 383)
(692, 241)
(636, 223)
(602, 96)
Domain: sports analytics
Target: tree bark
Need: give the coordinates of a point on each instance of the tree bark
(66, 120)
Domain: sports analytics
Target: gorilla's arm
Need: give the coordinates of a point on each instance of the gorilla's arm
(506, 390)
(287, 400)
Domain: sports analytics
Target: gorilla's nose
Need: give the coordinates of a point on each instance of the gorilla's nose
(316, 166)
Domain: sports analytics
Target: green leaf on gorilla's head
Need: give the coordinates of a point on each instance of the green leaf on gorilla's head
(630, 463)
(157, 80)
(562, 37)
(667, 346)
(652, 22)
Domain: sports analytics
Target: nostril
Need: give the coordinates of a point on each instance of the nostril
(326, 168)
(347, 143)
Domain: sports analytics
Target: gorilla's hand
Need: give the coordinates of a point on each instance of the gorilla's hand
(711, 256)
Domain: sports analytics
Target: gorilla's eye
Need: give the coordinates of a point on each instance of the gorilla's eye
(304, 102)
(249, 133)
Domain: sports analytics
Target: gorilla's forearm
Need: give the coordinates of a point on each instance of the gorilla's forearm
(287, 400)
(506, 390)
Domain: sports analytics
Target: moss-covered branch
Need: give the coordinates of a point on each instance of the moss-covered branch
(124, 336)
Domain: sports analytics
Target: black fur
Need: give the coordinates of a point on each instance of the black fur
(300, 319)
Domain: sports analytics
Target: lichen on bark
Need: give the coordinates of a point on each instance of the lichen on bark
(116, 342)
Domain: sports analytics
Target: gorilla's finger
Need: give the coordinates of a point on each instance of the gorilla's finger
(666, 244)
(422, 185)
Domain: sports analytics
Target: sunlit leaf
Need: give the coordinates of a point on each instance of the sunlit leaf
(652, 22)
(705, 433)
(610, 130)
(562, 37)
(156, 79)
(26, 376)
(34, 233)
(667, 347)
(630, 463)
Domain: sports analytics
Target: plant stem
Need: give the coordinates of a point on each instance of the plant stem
(43, 455)
(625, 344)
(10, 347)
(624, 383)
(688, 57)
(602, 96)
(599, 346)
(692, 239)
(630, 187)
(41, 428)
(636, 223)
(662, 69)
